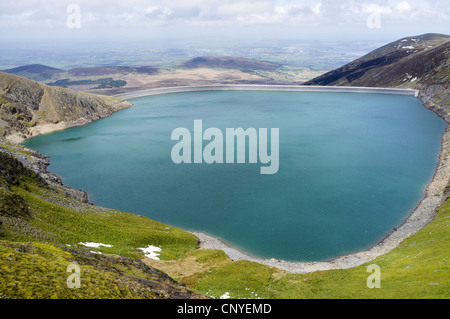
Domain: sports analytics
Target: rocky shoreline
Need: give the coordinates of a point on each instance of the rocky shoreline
(423, 214)
(44, 128)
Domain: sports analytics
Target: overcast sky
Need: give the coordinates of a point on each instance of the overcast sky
(297, 19)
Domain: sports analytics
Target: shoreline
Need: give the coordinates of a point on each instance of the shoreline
(421, 216)
(256, 87)
(46, 128)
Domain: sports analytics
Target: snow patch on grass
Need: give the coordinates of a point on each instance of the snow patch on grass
(95, 245)
(225, 296)
(151, 252)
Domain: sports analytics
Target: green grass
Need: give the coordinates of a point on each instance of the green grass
(126, 232)
(31, 211)
(417, 269)
(40, 271)
(46, 266)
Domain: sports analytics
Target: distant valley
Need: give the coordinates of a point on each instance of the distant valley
(201, 70)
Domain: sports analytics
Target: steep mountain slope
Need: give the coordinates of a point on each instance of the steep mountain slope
(28, 108)
(44, 224)
(418, 62)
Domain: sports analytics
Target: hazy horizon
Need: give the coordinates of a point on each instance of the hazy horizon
(243, 20)
(57, 32)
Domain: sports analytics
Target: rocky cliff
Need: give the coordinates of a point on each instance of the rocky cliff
(29, 108)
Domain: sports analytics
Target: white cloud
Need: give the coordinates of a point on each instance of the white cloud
(316, 8)
(157, 12)
(403, 6)
(375, 8)
(182, 14)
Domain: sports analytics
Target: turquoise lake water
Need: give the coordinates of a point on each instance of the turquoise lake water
(351, 168)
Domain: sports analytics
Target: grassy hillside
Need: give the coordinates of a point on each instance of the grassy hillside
(44, 228)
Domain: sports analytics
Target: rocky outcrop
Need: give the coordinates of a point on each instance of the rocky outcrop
(29, 108)
(14, 162)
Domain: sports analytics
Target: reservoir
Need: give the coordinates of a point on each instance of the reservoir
(351, 167)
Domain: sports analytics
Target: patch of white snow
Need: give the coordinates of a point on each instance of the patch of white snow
(151, 252)
(225, 296)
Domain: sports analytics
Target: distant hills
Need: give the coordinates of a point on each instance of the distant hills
(106, 70)
(230, 63)
(34, 71)
(202, 70)
(39, 72)
(44, 73)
